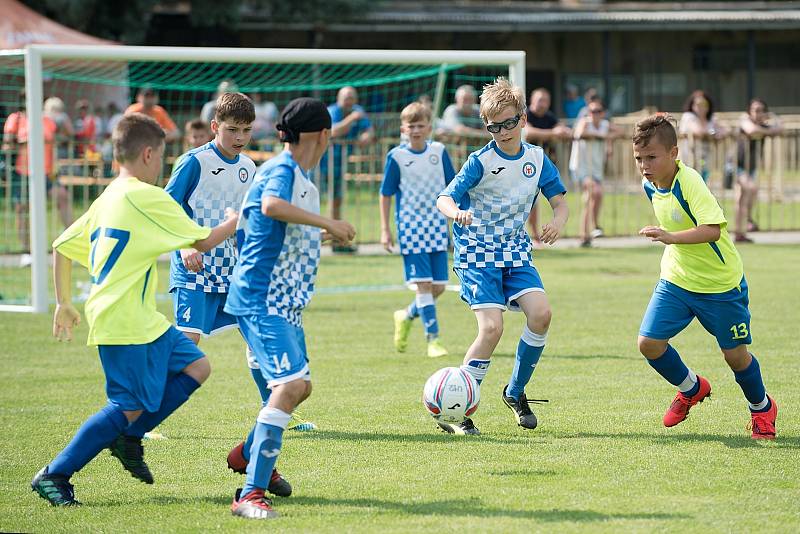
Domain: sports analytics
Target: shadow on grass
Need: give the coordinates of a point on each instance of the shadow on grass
(474, 508)
(448, 507)
(434, 437)
(734, 442)
(580, 357)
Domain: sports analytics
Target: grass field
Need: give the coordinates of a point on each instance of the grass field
(600, 460)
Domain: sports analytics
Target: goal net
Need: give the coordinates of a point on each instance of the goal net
(59, 104)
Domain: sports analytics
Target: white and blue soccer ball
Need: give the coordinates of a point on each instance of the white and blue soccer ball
(451, 395)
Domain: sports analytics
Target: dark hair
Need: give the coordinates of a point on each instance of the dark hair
(687, 105)
(235, 107)
(658, 126)
(133, 133)
(760, 101)
(196, 124)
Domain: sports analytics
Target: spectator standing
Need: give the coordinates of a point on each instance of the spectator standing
(697, 129)
(754, 127)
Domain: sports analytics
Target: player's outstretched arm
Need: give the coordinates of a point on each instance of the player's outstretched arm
(219, 233)
(66, 317)
(280, 210)
(553, 230)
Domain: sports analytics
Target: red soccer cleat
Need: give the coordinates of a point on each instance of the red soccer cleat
(253, 506)
(763, 423)
(236, 461)
(679, 409)
(277, 484)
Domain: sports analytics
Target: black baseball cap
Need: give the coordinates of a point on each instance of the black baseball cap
(302, 115)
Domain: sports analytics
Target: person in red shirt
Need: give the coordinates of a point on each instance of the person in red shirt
(15, 143)
(147, 103)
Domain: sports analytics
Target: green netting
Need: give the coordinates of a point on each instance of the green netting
(82, 167)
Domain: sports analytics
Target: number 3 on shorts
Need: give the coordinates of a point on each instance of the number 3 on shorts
(739, 331)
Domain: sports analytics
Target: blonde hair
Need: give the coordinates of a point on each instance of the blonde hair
(415, 112)
(53, 106)
(500, 95)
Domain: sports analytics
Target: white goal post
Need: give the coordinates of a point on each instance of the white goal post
(36, 55)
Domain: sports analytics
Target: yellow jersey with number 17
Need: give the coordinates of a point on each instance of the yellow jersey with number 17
(118, 240)
(703, 267)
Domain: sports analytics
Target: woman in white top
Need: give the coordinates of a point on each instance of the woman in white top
(698, 129)
(587, 160)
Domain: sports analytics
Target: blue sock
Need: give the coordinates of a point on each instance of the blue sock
(411, 311)
(752, 385)
(529, 351)
(671, 367)
(93, 436)
(177, 391)
(266, 447)
(265, 392)
(427, 309)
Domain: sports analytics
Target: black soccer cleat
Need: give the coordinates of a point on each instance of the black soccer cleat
(55, 489)
(522, 411)
(464, 428)
(130, 452)
(278, 485)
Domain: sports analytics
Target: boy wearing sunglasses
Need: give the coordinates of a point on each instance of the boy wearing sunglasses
(489, 201)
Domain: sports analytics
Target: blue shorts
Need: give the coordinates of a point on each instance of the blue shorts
(426, 267)
(723, 315)
(498, 287)
(137, 374)
(201, 312)
(278, 347)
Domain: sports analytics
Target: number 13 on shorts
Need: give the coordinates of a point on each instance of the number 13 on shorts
(739, 331)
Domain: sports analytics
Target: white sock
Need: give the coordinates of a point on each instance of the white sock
(688, 382)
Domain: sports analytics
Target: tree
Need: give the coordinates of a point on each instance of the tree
(128, 21)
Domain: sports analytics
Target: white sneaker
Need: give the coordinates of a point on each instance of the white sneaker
(25, 260)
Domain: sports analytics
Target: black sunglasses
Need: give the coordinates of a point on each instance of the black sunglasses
(508, 124)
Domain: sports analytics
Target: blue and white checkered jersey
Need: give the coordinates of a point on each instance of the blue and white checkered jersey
(499, 190)
(416, 178)
(205, 183)
(277, 261)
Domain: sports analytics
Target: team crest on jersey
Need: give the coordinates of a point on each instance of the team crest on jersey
(529, 169)
(434, 159)
(243, 176)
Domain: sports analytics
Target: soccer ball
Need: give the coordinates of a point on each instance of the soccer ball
(451, 395)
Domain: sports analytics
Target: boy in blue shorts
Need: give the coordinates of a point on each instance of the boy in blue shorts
(701, 276)
(207, 180)
(151, 368)
(273, 281)
(489, 201)
(415, 172)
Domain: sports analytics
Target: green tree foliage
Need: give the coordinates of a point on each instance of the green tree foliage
(128, 21)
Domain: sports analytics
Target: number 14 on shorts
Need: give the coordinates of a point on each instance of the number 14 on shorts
(281, 364)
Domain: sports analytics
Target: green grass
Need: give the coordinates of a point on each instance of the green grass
(600, 461)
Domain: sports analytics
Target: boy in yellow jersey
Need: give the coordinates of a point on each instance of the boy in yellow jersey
(150, 367)
(701, 276)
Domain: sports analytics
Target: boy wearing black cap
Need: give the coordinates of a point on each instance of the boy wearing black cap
(280, 236)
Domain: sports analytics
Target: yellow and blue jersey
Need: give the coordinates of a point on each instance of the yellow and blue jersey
(703, 267)
(118, 240)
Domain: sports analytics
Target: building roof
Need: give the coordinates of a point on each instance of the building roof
(575, 16)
